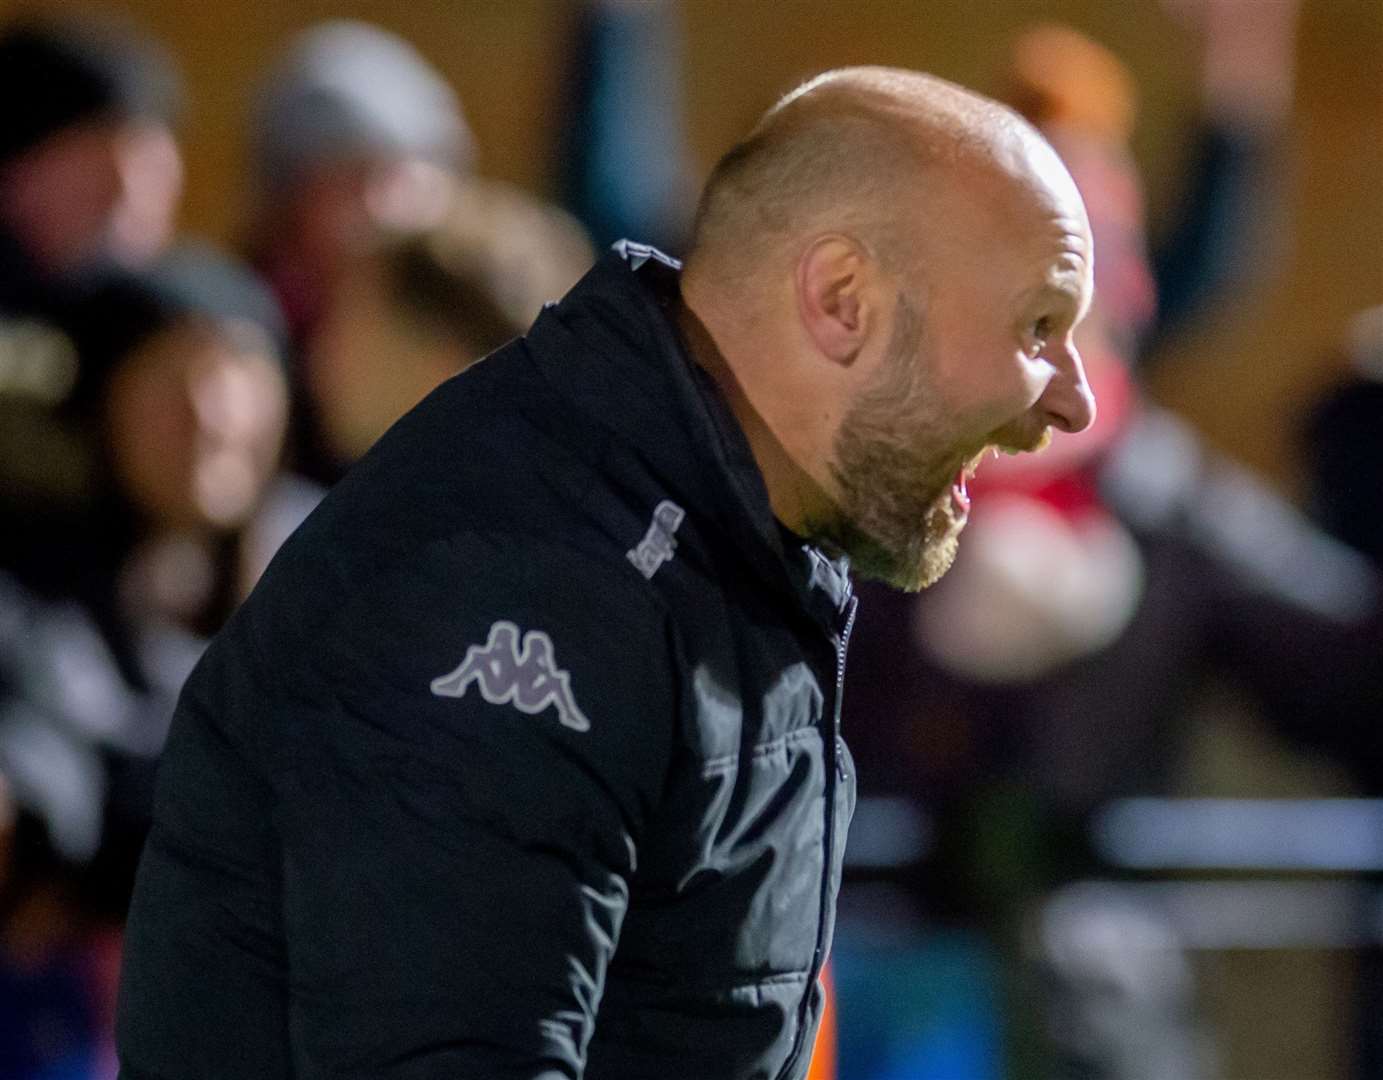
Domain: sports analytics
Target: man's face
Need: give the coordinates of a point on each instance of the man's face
(986, 363)
(900, 517)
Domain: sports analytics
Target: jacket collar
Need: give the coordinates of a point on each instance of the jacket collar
(616, 353)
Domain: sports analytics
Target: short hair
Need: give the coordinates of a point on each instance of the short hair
(850, 149)
(778, 182)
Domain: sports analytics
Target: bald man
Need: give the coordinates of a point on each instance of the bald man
(523, 760)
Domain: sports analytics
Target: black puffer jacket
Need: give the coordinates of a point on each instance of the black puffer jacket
(522, 760)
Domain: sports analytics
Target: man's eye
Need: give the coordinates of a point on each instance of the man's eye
(1041, 330)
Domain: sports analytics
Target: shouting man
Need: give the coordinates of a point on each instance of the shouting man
(522, 761)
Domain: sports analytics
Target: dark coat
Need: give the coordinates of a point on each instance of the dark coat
(522, 760)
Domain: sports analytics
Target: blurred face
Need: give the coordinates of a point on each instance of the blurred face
(58, 198)
(341, 208)
(316, 234)
(151, 184)
(102, 189)
(196, 418)
(986, 362)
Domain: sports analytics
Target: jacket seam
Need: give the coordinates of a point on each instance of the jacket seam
(726, 761)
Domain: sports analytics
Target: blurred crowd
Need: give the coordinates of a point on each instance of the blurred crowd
(171, 410)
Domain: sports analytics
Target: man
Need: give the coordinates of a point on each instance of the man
(523, 760)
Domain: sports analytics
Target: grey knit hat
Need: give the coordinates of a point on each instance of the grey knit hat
(346, 90)
(56, 73)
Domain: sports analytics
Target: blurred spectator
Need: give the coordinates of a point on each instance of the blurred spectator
(353, 135)
(423, 306)
(90, 171)
(353, 132)
(90, 180)
(175, 417)
(180, 406)
(1218, 236)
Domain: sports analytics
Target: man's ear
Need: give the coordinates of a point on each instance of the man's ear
(832, 296)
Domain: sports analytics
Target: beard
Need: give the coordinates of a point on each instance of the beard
(894, 463)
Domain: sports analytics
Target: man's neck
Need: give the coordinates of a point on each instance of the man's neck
(792, 494)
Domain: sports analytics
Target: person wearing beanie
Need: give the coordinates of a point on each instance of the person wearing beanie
(90, 180)
(352, 131)
(178, 410)
(353, 135)
(89, 169)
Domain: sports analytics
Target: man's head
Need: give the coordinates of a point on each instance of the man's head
(891, 268)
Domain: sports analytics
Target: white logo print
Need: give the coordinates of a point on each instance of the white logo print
(529, 680)
(658, 545)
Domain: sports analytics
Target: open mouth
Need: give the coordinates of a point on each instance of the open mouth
(960, 495)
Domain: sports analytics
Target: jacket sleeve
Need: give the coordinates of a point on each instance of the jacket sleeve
(490, 728)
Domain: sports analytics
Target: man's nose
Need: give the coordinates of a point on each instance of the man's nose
(1068, 401)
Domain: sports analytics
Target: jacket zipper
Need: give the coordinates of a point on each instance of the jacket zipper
(833, 768)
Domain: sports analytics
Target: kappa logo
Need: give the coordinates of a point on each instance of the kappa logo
(529, 679)
(658, 544)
